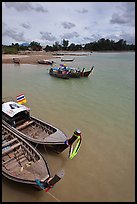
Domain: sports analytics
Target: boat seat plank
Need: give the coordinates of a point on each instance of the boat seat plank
(9, 160)
(11, 154)
(18, 157)
(10, 148)
(9, 142)
(12, 165)
(23, 159)
(27, 123)
(5, 158)
(18, 154)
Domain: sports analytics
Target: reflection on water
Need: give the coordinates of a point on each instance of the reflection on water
(102, 106)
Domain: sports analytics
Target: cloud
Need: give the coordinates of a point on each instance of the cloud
(92, 37)
(28, 20)
(68, 25)
(118, 19)
(47, 36)
(86, 28)
(69, 35)
(82, 11)
(130, 38)
(127, 16)
(23, 6)
(12, 33)
(26, 25)
(39, 8)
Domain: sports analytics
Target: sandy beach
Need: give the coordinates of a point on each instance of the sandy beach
(32, 57)
(27, 58)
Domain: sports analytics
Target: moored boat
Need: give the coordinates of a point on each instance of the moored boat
(76, 72)
(47, 62)
(59, 73)
(16, 60)
(17, 117)
(22, 163)
(86, 73)
(72, 72)
(67, 60)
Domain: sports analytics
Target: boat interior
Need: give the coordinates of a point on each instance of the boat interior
(19, 159)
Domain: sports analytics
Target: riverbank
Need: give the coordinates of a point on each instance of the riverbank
(27, 58)
(32, 57)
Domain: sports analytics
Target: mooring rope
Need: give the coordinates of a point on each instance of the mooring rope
(49, 192)
(45, 149)
(54, 197)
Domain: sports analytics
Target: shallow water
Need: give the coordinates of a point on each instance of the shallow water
(102, 106)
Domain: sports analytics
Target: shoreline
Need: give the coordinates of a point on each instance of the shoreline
(28, 58)
(33, 57)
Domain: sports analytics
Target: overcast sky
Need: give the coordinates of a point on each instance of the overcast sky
(77, 22)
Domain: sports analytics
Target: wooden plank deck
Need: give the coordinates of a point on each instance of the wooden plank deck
(10, 148)
(9, 142)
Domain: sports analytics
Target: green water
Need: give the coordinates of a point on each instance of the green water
(102, 106)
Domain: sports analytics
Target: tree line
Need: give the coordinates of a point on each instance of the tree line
(100, 45)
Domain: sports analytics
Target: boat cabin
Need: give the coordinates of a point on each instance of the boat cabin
(14, 113)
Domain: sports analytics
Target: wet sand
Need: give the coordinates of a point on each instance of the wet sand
(28, 58)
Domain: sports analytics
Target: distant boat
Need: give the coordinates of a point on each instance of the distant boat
(76, 72)
(47, 62)
(59, 73)
(21, 162)
(17, 118)
(67, 60)
(16, 60)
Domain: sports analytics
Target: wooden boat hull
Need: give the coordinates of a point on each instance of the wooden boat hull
(18, 119)
(21, 162)
(75, 72)
(86, 73)
(67, 60)
(59, 74)
(16, 60)
(39, 132)
(45, 62)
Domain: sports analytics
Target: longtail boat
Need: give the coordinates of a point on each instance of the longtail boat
(67, 60)
(76, 72)
(17, 117)
(22, 163)
(16, 60)
(46, 62)
(86, 73)
(59, 73)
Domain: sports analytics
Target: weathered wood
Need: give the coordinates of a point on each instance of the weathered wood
(32, 155)
(10, 148)
(27, 123)
(22, 162)
(9, 142)
(9, 160)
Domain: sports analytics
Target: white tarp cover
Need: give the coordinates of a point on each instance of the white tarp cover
(12, 108)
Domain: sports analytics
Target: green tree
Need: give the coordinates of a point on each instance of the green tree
(65, 44)
(56, 46)
(35, 46)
